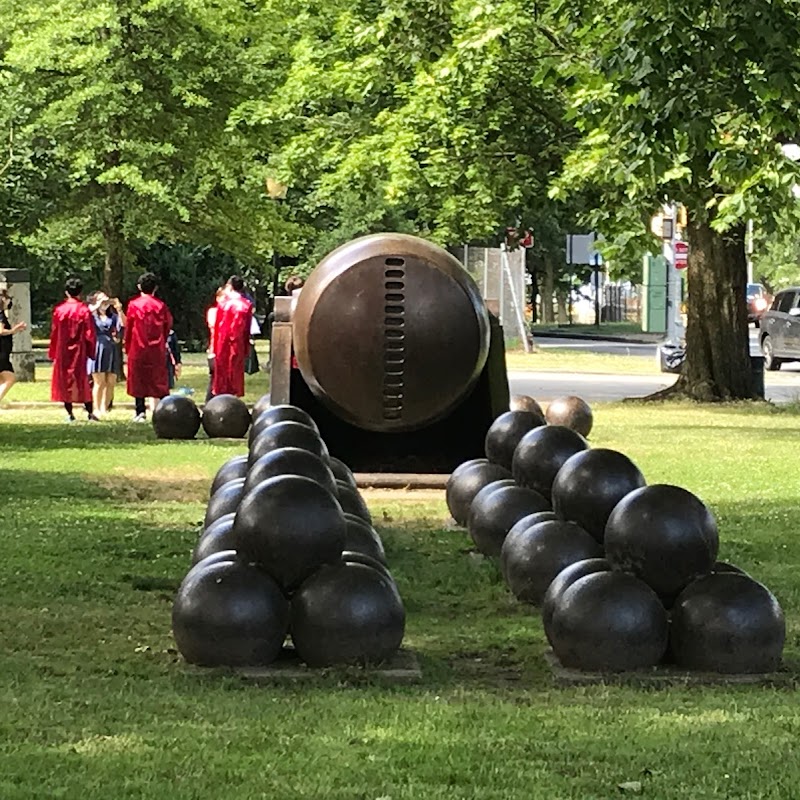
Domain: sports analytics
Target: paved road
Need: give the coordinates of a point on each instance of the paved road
(780, 387)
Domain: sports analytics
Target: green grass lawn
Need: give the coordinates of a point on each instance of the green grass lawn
(97, 528)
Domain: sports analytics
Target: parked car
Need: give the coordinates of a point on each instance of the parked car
(780, 329)
(758, 301)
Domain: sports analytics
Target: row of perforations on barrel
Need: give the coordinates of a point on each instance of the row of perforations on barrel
(394, 338)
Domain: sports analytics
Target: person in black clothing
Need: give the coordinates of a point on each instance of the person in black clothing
(7, 330)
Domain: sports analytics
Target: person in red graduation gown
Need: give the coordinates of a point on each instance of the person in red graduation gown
(231, 339)
(148, 323)
(72, 344)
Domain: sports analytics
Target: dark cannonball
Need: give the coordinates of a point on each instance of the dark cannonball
(466, 481)
(541, 453)
(361, 537)
(281, 413)
(229, 614)
(505, 432)
(563, 581)
(662, 534)
(724, 566)
(352, 502)
(492, 515)
(261, 405)
(235, 467)
(218, 536)
(290, 525)
(214, 558)
(224, 501)
(590, 484)
(342, 472)
(609, 622)
(531, 559)
(290, 461)
(226, 415)
(347, 614)
(571, 412)
(287, 434)
(354, 557)
(176, 417)
(529, 520)
(524, 402)
(728, 623)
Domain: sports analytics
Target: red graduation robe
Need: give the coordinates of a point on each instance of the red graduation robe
(72, 344)
(147, 325)
(231, 343)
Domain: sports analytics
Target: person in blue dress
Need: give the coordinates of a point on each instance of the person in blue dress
(108, 322)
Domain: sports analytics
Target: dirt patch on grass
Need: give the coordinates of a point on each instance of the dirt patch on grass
(133, 486)
(403, 495)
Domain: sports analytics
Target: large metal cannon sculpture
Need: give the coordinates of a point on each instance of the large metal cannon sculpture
(390, 347)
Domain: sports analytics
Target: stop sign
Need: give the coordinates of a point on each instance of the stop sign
(681, 255)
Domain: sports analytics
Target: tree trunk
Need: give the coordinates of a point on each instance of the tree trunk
(547, 289)
(717, 365)
(114, 266)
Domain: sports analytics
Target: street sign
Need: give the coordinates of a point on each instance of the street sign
(681, 255)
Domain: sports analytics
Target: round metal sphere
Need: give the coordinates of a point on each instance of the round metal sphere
(354, 557)
(347, 613)
(529, 520)
(504, 434)
(262, 404)
(233, 468)
(390, 332)
(590, 484)
(217, 537)
(563, 581)
(524, 402)
(352, 502)
(571, 412)
(229, 614)
(532, 558)
(224, 501)
(176, 417)
(728, 623)
(290, 525)
(492, 515)
(290, 461)
(724, 566)
(281, 413)
(609, 622)
(214, 558)
(287, 434)
(226, 416)
(541, 453)
(361, 537)
(466, 481)
(662, 534)
(342, 472)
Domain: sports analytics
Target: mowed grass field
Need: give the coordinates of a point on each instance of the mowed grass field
(98, 523)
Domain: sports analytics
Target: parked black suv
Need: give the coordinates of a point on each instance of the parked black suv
(780, 329)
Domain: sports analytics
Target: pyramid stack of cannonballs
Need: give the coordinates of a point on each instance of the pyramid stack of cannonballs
(287, 548)
(626, 574)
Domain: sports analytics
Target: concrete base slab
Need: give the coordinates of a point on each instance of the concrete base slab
(665, 676)
(402, 668)
(401, 480)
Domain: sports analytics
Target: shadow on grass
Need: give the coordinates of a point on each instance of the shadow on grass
(99, 437)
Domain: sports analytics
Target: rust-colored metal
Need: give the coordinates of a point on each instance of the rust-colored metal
(390, 332)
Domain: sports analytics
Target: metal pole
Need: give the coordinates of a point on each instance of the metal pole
(505, 268)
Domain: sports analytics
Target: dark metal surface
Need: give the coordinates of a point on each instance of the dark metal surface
(390, 332)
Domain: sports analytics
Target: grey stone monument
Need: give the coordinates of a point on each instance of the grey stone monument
(18, 283)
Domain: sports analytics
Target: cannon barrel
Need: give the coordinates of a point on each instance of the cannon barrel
(390, 332)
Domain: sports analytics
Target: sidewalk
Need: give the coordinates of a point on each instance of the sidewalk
(567, 332)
